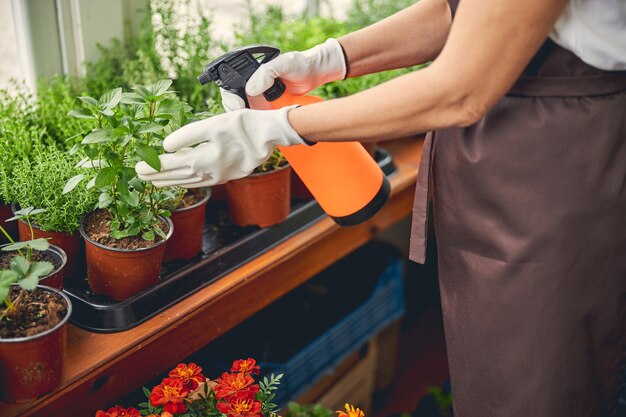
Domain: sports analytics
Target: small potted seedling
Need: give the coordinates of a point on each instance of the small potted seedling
(33, 321)
(37, 249)
(125, 236)
(264, 197)
(39, 181)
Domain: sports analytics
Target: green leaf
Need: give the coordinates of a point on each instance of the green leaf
(15, 246)
(105, 177)
(150, 128)
(90, 101)
(137, 184)
(169, 107)
(4, 293)
(159, 232)
(73, 182)
(20, 265)
(97, 136)
(104, 200)
(41, 269)
(91, 183)
(149, 155)
(160, 87)
(133, 199)
(81, 113)
(7, 277)
(112, 97)
(149, 235)
(29, 282)
(40, 244)
(132, 98)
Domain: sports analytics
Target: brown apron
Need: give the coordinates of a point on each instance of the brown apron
(530, 217)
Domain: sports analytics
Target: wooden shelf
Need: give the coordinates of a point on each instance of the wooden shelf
(104, 367)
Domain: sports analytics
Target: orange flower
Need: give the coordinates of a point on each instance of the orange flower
(170, 394)
(191, 375)
(242, 404)
(119, 411)
(230, 384)
(350, 412)
(246, 366)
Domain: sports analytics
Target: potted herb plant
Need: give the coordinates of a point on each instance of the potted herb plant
(39, 181)
(125, 236)
(264, 197)
(33, 320)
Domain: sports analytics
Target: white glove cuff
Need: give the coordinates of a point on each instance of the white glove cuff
(287, 134)
(330, 60)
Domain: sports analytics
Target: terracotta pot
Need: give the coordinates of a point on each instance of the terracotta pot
(31, 366)
(72, 245)
(55, 278)
(186, 240)
(262, 199)
(11, 227)
(298, 189)
(122, 273)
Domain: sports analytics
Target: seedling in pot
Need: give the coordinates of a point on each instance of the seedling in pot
(23, 270)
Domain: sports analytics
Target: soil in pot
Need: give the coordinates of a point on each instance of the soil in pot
(11, 227)
(120, 268)
(53, 255)
(261, 199)
(72, 245)
(188, 220)
(32, 344)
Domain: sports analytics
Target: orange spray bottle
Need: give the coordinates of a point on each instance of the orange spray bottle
(344, 179)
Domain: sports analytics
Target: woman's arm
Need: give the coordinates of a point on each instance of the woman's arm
(490, 43)
(412, 36)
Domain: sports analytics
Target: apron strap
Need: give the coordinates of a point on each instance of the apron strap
(419, 224)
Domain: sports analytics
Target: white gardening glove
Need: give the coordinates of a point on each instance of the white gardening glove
(300, 71)
(231, 146)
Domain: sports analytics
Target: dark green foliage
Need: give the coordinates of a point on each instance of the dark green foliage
(39, 181)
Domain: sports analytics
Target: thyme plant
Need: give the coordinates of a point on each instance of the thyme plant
(38, 181)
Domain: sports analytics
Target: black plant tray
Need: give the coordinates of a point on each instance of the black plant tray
(225, 248)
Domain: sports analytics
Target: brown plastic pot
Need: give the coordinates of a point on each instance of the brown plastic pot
(262, 199)
(122, 273)
(32, 366)
(11, 227)
(72, 245)
(186, 240)
(55, 278)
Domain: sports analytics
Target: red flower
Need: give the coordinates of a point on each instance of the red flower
(170, 394)
(242, 404)
(191, 375)
(246, 366)
(230, 384)
(119, 411)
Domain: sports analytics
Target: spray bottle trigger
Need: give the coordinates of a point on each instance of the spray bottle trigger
(231, 80)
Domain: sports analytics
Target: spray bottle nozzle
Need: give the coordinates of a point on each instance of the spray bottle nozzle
(232, 70)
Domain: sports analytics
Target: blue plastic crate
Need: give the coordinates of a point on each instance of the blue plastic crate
(321, 357)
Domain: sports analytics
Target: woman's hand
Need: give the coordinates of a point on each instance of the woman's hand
(230, 146)
(300, 71)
